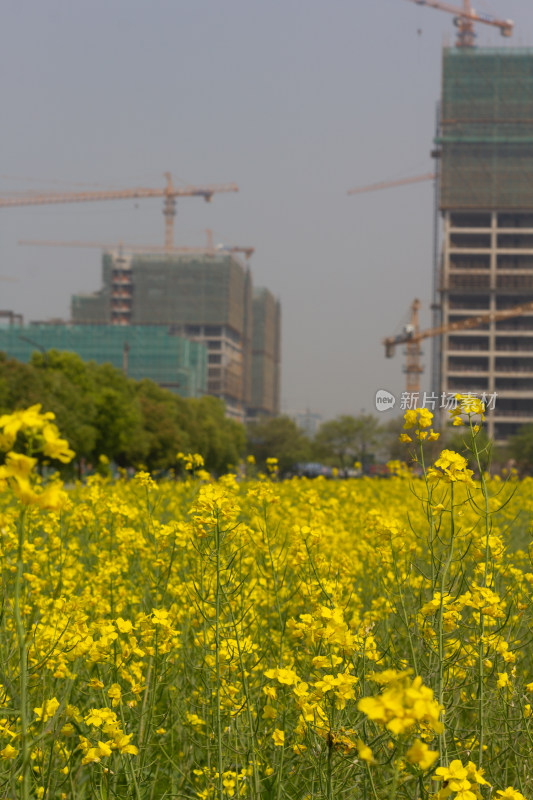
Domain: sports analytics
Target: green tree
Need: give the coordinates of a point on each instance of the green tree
(281, 438)
(65, 390)
(221, 441)
(95, 404)
(118, 417)
(20, 384)
(347, 439)
(102, 412)
(521, 448)
(23, 385)
(391, 449)
(163, 432)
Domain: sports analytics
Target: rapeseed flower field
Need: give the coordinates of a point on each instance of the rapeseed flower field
(363, 639)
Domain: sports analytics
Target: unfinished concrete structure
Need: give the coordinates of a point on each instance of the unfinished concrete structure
(205, 297)
(486, 200)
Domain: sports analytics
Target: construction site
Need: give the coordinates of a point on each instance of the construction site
(207, 298)
(186, 317)
(482, 273)
(190, 322)
(486, 202)
(482, 287)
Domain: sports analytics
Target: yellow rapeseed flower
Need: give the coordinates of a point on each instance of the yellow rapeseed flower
(420, 755)
(364, 752)
(54, 446)
(278, 737)
(47, 710)
(510, 794)
(115, 693)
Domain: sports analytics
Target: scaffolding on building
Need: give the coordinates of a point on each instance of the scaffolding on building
(173, 362)
(486, 136)
(486, 199)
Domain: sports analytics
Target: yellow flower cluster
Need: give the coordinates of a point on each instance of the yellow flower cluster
(419, 418)
(451, 467)
(191, 461)
(19, 470)
(467, 405)
(464, 781)
(38, 427)
(243, 638)
(403, 704)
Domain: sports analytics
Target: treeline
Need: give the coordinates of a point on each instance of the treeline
(339, 442)
(133, 423)
(138, 424)
(371, 441)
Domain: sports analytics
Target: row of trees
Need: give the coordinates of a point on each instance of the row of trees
(102, 412)
(365, 439)
(338, 443)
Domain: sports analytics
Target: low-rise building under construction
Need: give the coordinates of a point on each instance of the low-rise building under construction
(206, 297)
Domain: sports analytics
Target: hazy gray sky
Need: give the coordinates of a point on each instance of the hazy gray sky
(296, 101)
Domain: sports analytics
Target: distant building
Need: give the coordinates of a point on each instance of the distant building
(205, 297)
(142, 351)
(266, 356)
(308, 421)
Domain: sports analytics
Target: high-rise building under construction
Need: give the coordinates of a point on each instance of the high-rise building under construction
(486, 200)
(205, 297)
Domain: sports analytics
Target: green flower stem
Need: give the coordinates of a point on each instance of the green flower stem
(23, 662)
(218, 597)
(481, 656)
(442, 735)
(246, 690)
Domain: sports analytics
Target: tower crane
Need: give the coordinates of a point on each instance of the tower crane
(169, 193)
(465, 18)
(412, 336)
